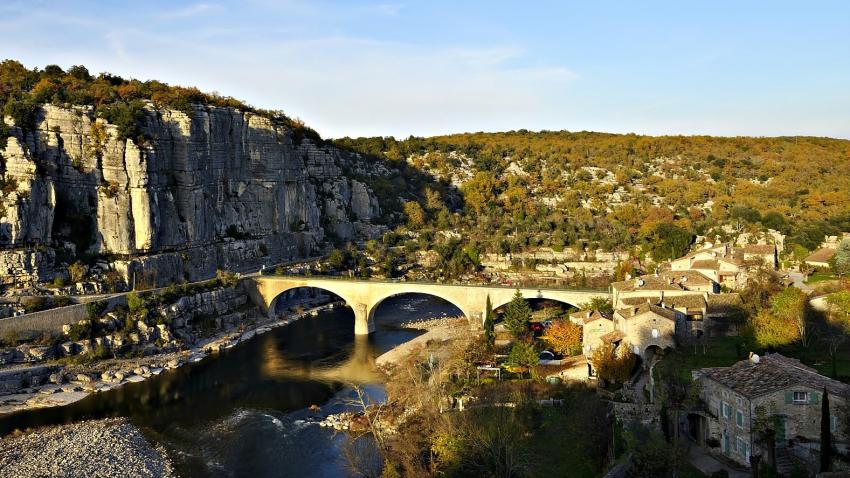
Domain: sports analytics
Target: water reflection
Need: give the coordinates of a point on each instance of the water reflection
(244, 412)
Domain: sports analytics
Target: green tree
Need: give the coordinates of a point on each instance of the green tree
(790, 307)
(602, 304)
(489, 326)
(522, 354)
(667, 241)
(841, 259)
(95, 309)
(517, 315)
(338, 259)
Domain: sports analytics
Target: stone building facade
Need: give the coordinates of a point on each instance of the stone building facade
(774, 390)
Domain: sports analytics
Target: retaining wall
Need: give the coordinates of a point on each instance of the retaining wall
(52, 320)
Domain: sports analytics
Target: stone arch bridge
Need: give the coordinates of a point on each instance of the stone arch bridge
(364, 296)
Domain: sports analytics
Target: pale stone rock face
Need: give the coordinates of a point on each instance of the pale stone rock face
(219, 188)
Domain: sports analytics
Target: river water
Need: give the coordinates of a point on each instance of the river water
(245, 411)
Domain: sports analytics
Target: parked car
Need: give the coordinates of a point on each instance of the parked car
(546, 355)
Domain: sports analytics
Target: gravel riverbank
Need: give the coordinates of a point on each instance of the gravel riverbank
(107, 448)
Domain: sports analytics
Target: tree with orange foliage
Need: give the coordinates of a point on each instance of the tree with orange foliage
(564, 337)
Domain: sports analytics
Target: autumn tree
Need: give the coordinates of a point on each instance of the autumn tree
(414, 213)
(517, 315)
(564, 337)
(614, 366)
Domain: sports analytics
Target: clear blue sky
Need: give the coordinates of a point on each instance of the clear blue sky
(431, 67)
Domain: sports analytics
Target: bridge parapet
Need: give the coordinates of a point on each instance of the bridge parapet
(364, 296)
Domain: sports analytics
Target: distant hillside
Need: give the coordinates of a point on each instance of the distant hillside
(557, 188)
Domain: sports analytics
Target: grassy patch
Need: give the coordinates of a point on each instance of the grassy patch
(725, 351)
(820, 276)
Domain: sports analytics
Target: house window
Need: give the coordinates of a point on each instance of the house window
(742, 446)
(833, 423)
(739, 418)
(801, 397)
(727, 410)
(654, 333)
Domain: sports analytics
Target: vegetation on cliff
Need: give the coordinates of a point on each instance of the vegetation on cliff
(120, 101)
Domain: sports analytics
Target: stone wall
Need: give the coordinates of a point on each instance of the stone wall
(219, 188)
(51, 320)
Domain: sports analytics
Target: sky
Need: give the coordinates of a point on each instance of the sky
(760, 68)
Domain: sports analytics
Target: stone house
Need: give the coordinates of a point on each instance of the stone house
(820, 258)
(727, 265)
(775, 390)
(647, 327)
(661, 286)
(763, 253)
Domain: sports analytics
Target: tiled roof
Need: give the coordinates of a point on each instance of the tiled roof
(821, 255)
(667, 280)
(773, 372)
(641, 300)
(629, 312)
(724, 303)
(694, 301)
(705, 264)
(613, 336)
(588, 316)
(763, 249)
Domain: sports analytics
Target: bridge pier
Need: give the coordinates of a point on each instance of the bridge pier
(363, 322)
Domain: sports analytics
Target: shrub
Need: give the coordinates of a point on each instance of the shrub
(23, 112)
(135, 303)
(77, 271)
(96, 308)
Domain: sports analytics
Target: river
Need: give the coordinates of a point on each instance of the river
(245, 411)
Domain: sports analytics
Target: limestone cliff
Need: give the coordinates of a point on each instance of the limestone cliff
(217, 188)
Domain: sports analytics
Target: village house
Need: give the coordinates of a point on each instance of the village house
(773, 390)
(725, 264)
(820, 258)
(661, 286)
(645, 328)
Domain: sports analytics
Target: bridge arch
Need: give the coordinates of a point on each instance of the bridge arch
(540, 294)
(275, 302)
(382, 298)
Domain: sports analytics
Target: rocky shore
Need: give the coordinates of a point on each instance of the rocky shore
(74, 383)
(441, 329)
(102, 448)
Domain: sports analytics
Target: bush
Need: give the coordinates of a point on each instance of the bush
(23, 112)
(95, 309)
(77, 271)
(135, 303)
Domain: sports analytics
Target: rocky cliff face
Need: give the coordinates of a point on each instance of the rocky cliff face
(219, 188)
